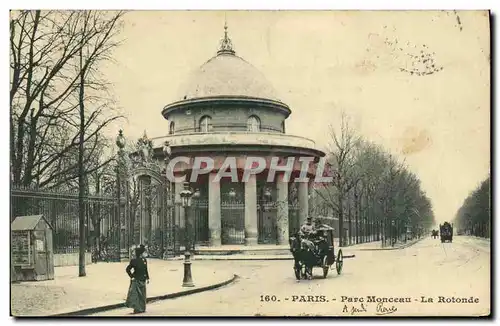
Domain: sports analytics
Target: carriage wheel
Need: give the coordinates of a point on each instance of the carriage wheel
(340, 262)
(325, 267)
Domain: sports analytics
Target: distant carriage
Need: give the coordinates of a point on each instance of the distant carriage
(317, 252)
(435, 234)
(446, 232)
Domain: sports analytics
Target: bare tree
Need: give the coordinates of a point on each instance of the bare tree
(341, 157)
(44, 93)
(376, 192)
(474, 216)
(90, 55)
(56, 86)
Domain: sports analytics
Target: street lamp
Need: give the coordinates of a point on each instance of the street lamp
(186, 195)
(232, 193)
(196, 194)
(120, 142)
(167, 152)
(267, 194)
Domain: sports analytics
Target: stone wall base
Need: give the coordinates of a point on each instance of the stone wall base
(70, 259)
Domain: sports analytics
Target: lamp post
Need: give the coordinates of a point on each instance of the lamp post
(186, 195)
(167, 152)
(122, 244)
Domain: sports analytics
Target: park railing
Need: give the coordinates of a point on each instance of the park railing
(61, 210)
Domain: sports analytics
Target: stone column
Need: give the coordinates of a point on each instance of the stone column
(282, 214)
(251, 232)
(311, 201)
(214, 210)
(303, 194)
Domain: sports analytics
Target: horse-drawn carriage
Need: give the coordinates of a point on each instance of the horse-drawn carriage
(446, 231)
(317, 250)
(435, 234)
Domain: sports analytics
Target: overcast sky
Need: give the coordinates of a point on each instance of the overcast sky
(322, 63)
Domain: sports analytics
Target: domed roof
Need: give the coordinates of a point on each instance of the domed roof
(226, 74)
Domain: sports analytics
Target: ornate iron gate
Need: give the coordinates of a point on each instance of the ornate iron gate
(150, 209)
(152, 215)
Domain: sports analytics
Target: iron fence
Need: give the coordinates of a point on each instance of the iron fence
(267, 226)
(233, 222)
(61, 209)
(201, 227)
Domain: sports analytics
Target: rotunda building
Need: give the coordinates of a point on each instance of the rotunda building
(227, 109)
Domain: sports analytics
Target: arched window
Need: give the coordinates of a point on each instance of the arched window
(205, 124)
(253, 124)
(172, 128)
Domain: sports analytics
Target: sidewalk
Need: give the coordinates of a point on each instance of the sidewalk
(105, 284)
(377, 245)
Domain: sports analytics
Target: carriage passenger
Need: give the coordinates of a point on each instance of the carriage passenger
(308, 228)
(309, 233)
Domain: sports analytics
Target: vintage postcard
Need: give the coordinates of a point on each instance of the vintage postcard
(250, 163)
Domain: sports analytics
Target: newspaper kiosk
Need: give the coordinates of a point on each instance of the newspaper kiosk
(32, 257)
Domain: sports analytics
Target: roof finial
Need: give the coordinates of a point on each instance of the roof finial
(226, 46)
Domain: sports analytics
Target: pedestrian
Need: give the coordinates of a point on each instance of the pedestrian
(136, 297)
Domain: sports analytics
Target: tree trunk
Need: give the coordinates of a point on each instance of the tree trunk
(341, 222)
(349, 216)
(81, 186)
(356, 212)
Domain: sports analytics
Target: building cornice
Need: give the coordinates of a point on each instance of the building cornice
(224, 101)
(241, 141)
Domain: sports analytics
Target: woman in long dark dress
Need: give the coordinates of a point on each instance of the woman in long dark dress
(136, 297)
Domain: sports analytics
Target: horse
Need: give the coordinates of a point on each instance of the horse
(303, 255)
